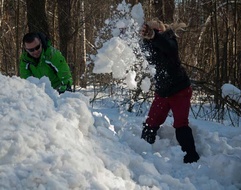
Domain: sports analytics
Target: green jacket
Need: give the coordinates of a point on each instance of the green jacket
(51, 64)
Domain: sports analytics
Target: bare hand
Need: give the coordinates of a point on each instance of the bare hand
(147, 32)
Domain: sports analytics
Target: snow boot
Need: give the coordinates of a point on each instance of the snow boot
(185, 138)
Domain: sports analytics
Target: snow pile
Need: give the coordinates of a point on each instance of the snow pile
(58, 142)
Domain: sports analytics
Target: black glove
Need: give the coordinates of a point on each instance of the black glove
(147, 32)
(62, 88)
(149, 134)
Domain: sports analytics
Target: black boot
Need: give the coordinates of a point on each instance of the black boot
(148, 133)
(185, 138)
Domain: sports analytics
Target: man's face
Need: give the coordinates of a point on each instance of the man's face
(34, 48)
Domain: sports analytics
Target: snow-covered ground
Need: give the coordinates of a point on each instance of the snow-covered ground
(59, 142)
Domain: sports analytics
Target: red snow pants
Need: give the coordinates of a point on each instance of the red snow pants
(178, 103)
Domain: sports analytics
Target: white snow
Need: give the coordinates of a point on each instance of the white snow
(115, 56)
(118, 54)
(232, 92)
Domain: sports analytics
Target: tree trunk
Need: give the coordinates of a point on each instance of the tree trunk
(83, 49)
(64, 25)
(168, 11)
(36, 15)
(17, 37)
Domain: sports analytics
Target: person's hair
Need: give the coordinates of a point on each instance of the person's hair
(176, 26)
(157, 24)
(29, 37)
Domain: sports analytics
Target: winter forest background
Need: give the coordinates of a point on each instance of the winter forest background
(210, 47)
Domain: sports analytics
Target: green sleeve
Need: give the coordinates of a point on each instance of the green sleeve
(63, 70)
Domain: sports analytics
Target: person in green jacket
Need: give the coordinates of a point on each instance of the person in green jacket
(40, 58)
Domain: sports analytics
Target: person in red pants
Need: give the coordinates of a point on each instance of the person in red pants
(172, 86)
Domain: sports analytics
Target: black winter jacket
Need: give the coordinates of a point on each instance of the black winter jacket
(170, 76)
